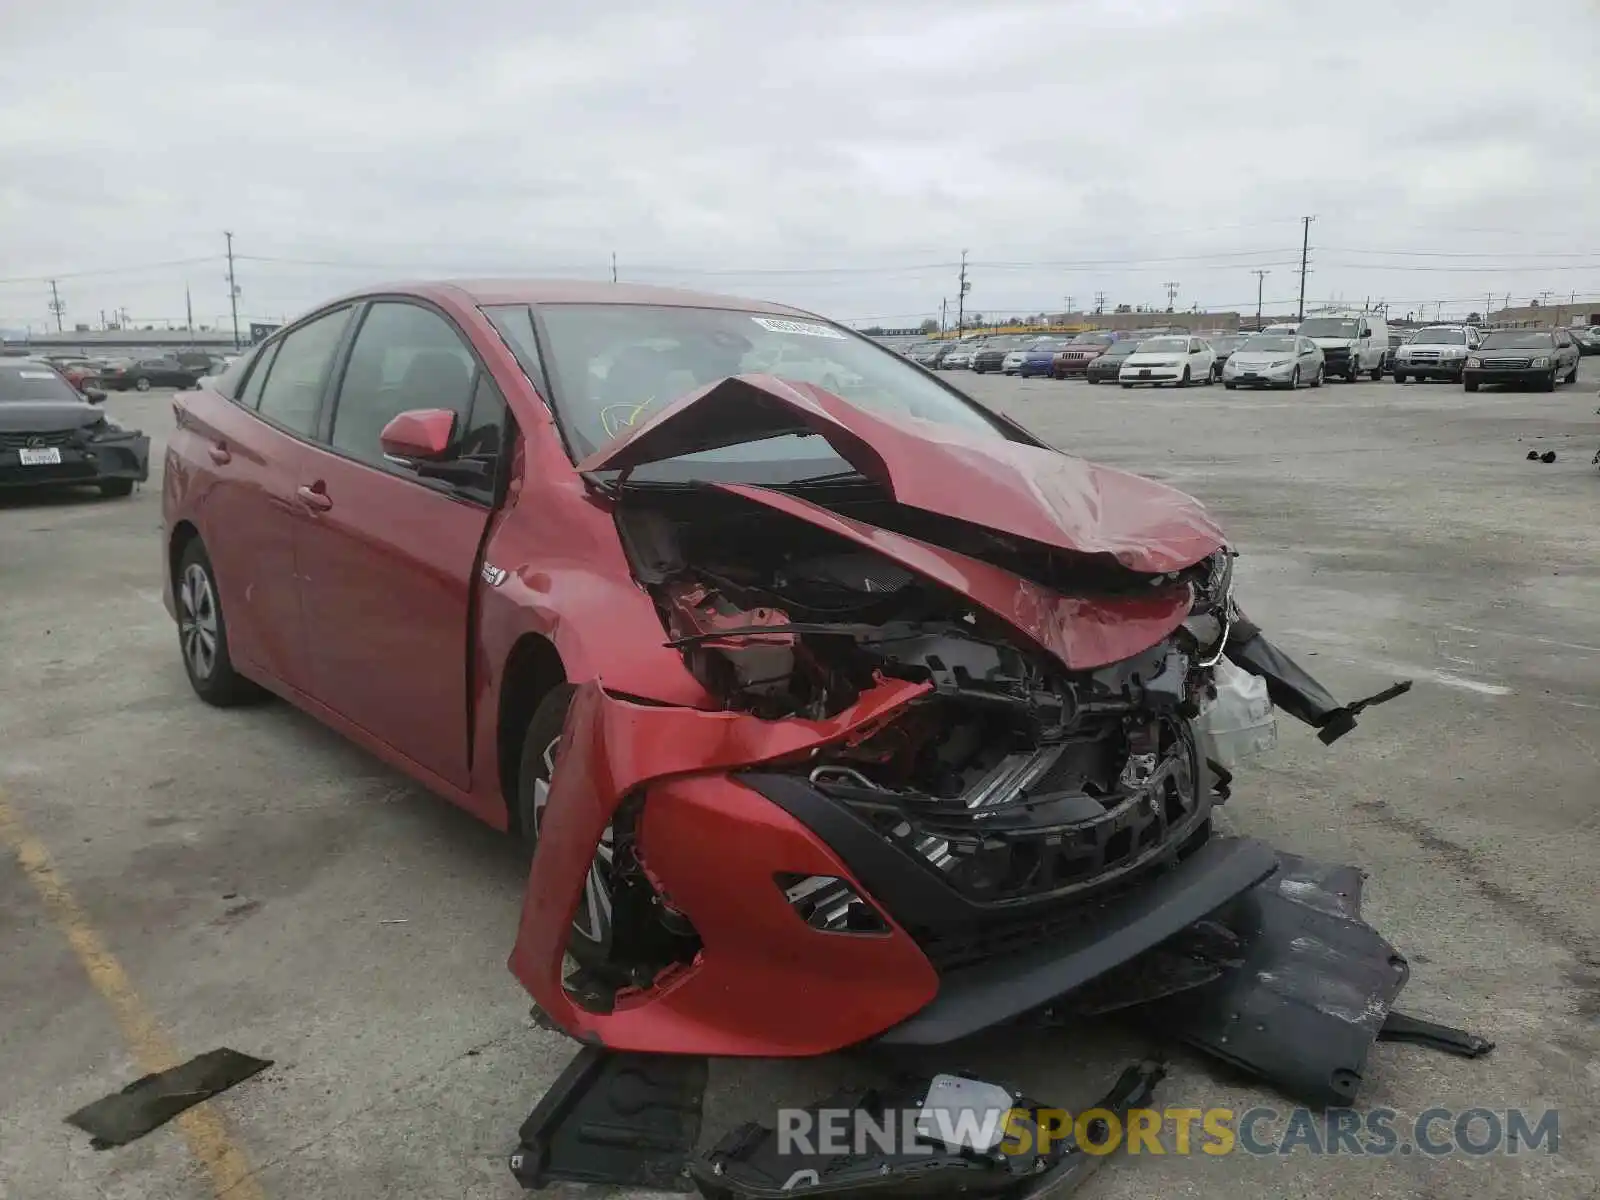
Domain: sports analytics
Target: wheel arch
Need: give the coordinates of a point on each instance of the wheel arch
(532, 668)
(183, 534)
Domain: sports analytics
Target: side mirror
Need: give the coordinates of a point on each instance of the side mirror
(419, 436)
(1366, 333)
(94, 395)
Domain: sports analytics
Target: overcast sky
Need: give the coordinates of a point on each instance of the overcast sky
(835, 155)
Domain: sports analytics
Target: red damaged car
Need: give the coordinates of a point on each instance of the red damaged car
(833, 706)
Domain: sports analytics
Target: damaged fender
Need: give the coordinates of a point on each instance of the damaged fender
(722, 1003)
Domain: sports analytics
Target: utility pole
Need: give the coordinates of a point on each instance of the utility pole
(55, 304)
(1305, 250)
(613, 266)
(233, 292)
(1068, 299)
(1261, 274)
(1099, 304)
(188, 309)
(1172, 294)
(961, 297)
(102, 320)
(944, 312)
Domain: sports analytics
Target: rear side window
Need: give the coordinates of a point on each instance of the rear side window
(299, 371)
(227, 383)
(251, 396)
(405, 357)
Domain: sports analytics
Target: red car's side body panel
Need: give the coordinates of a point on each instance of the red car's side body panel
(765, 983)
(1081, 632)
(1009, 486)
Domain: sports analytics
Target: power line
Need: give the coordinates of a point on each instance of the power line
(175, 262)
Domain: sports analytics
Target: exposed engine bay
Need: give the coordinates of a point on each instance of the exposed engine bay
(1016, 777)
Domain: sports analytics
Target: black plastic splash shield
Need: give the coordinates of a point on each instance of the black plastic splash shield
(748, 1164)
(1312, 993)
(631, 1120)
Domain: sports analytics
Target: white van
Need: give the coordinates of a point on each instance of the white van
(1352, 343)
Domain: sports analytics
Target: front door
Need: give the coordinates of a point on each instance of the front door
(389, 559)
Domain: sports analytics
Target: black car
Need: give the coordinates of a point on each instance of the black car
(1103, 368)
(142, 374)
(1224, 344)
(1396, 340)
(1538, 357)
(52, 435)
(1586, 339)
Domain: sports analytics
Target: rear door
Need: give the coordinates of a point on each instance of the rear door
(389, 558)
(250, 449)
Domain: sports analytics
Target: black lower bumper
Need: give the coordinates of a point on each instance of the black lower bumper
(1428, 371)
(125, 459)
(1000, 990)
(1518, 378)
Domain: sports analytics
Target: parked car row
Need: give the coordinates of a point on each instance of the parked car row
(1345, 346)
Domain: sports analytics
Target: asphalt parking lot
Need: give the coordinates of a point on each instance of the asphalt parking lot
(247, 879)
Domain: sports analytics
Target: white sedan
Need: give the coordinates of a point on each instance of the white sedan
(1176, 360)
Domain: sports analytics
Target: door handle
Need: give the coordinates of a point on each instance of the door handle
(219, 453)
(314, 498)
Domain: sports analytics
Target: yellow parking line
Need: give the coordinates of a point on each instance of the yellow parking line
(203, 1126)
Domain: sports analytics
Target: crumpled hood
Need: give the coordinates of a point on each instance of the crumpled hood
(47, 416)
(1010, 487)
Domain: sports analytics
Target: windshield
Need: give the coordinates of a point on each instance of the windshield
(611, 367)
(1045, 346)
(1164, 345)
(1123, 348)
(1267, 343)
(1511, 339)
(21, 382)
(1091, 339)
(1225, 344)
(1439, 337)
(1329, 327)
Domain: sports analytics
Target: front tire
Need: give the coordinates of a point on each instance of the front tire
(1316, 380)
(1353, 372)
(116, 488)
(1229, 386)
(1471, 385)
(590, 943)
(1294, 380)
(203, 634)
(1399, 376)
(1376, 374)
(1185, 381)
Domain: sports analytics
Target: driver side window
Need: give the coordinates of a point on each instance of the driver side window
(405, 357)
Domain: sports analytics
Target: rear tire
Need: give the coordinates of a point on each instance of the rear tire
(203, 634)
(590, 940)
(141, 384)
(1399, 376)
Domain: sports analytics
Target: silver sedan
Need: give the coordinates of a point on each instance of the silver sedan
(1274, 360)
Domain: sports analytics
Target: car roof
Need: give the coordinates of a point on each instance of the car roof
(479, 292)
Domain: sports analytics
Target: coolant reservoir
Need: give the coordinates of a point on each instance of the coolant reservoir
(1240, 723)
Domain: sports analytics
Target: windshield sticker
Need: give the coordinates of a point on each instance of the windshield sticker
(804, 328)
(35, 375)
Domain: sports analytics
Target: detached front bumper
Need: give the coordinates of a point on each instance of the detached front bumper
(98, 462)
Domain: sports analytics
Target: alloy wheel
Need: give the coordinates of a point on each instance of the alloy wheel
(197, 622)
(592, 921)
